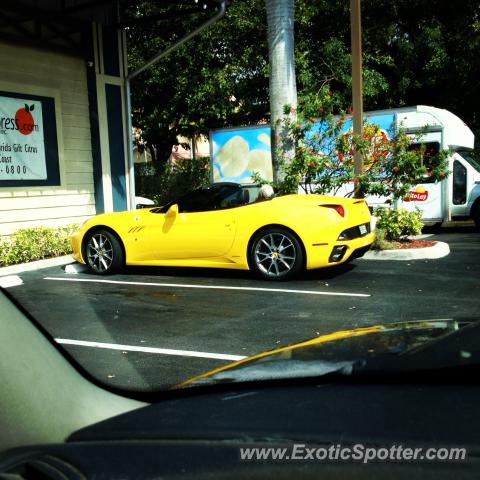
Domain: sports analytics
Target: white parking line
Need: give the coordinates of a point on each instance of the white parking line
(163, 351)
(10, 281)
(214, 287)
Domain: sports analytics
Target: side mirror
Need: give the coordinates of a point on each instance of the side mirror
(172, 212)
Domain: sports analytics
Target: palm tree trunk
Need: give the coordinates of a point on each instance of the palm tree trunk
(283, 87)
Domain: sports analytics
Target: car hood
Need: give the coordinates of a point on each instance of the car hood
(405, 346)
(112, 218)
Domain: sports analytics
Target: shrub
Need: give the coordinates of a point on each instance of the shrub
(379, 241)
(396, 224)
(36, 243)
(315, 150)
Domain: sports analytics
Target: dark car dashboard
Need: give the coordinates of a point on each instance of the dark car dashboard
(199, 433)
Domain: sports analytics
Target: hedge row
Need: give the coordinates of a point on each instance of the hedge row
(36, 243)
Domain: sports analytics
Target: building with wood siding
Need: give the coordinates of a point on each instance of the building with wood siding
(66, 58)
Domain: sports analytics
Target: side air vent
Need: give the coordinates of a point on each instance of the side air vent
(39, 467)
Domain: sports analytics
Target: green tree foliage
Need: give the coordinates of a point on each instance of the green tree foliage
(164, 182)
(415, 52)
(219, 78)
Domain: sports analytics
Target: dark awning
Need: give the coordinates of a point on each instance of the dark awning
(62, 24)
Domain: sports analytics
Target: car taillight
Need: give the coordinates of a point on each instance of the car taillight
(338, 208)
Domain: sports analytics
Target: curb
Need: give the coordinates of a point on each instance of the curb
(76, 268)
(37, 265)
(439, 250)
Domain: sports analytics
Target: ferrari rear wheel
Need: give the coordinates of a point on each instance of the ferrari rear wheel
(103, 252)
(276, 254)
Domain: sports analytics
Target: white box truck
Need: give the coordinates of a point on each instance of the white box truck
(457, 197)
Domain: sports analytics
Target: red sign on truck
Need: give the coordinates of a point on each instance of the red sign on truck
(417, 195)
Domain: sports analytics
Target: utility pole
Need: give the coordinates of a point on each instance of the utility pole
(357, 84)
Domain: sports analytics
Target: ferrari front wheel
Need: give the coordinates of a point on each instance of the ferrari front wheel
(276, 254)
(103, 252)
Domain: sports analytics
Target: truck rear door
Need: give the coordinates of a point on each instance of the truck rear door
(428, 196)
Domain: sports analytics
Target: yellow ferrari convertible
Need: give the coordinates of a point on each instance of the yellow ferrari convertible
(226, 225)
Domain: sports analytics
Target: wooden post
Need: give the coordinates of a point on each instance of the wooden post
(357, 84)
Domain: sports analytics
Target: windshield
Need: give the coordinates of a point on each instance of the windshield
(471, 157)
(214, 197)
(224, 213)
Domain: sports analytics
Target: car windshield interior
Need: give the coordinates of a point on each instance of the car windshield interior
(471, 157)
(213, 197)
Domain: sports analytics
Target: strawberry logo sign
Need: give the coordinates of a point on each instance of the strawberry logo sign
(24, 119)
(417, 195)
(22, 141)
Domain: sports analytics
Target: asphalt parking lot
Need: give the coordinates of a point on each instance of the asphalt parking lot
(149, 328)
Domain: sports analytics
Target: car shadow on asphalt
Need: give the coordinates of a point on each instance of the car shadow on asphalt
(328, 272)
(187, 272)
(225, 274)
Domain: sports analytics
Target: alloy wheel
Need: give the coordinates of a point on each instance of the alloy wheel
(275, 254)
(99, 252)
